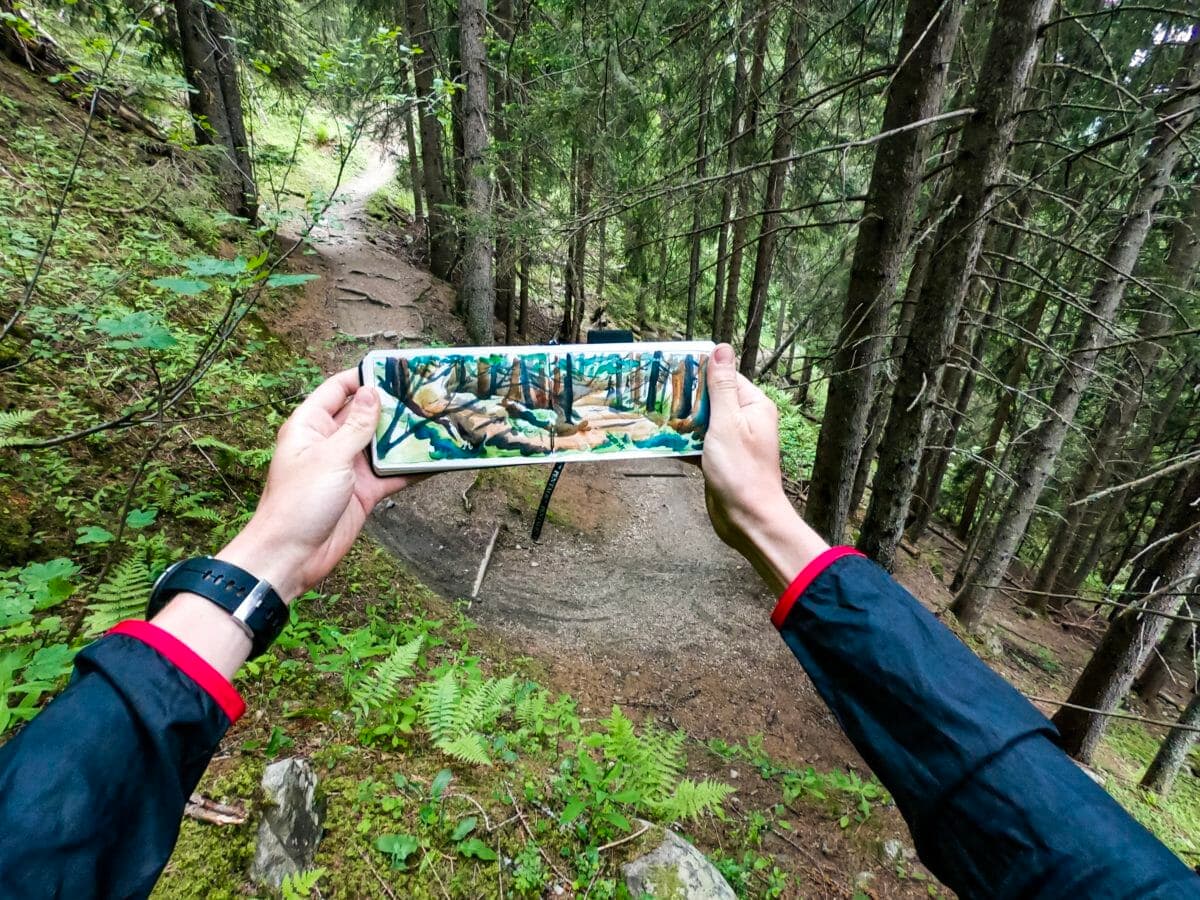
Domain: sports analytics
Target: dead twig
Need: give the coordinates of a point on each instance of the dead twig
(205, 810)
(625, 840)
(370, 865)
(528, 831)
(485, 562)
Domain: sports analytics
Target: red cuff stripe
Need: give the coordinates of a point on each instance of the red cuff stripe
(806, 577)
(189, 662)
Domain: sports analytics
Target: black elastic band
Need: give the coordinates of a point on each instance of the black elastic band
(540, 519)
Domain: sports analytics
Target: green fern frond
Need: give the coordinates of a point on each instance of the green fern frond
(691, 800)
(10, 422)
(122, 596)
(531, 709)
(482, 704)
(439, 707)
(468, 748)
(204, 514)
(251, 459)
(300, 885)
(382, 684)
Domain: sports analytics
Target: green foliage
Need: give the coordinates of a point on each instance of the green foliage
(123, 595)
(797, 435)
(381, 685)
(11, 423)
(300, 885)
(456, 715)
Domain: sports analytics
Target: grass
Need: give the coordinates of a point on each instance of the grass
(1175, 818)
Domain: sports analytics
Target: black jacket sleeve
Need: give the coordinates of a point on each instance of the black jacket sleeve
(93, 789)
(995, 807)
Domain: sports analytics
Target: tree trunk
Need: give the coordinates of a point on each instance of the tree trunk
(478, 288)
(736, 108)
(1086, 551)
(1133, 634)
(523, 252)
(1173, 751)
(209, 59)
(744, 182)
(978, 168)
(1157, 671)
(441, 240)
(506, 263)
(923, 57)
(1057, 573)
(781, 147)
(697, 209)
(1120, 260)
(414, 163)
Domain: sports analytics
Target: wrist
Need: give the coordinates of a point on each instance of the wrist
(267, 559)
(783, 544)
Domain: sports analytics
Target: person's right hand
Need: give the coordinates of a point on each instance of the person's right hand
(743, 486)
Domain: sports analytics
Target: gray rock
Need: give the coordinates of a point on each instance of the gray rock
(675, 870)
(993, 644)
(862, 881)
(892, 850)
(291, 824)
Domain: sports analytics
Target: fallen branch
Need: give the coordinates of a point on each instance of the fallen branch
(484, 563)
(646, 826)
(214, 813)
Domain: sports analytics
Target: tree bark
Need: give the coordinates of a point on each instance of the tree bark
(1133, 634)
(478, 287)
(1173, 751)
(781, 147)
(983, 149)
(1157, 671)
(441, 239)
(736, 107)
(916, 91)
(697, 209)
(1176, 116)
(1128, 395)
(506, 264)
(209, 60)
(744, 182)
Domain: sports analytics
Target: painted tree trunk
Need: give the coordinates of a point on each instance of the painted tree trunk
(1132, 634)
(206, 49)
(978, 168)
(1173, 751)
(441, 238)
(1077, 373)
(915, 93)
(781, 147)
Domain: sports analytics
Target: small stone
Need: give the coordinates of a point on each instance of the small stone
(291, 824)
(390, 504)
(558, 890)
(862, 881)
(534, 563)
(827, 850)
(993, 644)
(390, 335)
(733, 773)
(892, 850)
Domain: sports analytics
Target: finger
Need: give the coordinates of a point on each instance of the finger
(722, 382)
(358, 426)
(749, 393)
(331, 395)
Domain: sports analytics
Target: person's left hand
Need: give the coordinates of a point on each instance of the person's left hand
(319, 492)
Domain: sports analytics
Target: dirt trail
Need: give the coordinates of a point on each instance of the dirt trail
(629, 596)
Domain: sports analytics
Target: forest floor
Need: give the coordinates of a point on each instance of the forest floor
(629, 597)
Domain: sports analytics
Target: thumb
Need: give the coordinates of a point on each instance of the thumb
(723, 382)
(359, 427)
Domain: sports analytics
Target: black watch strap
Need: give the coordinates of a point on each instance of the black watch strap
(251, 602)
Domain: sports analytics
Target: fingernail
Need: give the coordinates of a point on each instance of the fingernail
(723, 355)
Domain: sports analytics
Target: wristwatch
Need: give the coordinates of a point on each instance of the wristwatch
(251, 601)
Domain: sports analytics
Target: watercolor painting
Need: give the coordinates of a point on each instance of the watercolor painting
(474, 407)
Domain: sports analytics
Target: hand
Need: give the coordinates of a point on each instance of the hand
(743, 486)
(319, 492)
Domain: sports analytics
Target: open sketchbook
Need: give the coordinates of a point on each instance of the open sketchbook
(465, 408)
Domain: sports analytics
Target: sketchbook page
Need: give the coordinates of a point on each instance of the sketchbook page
(475, 407)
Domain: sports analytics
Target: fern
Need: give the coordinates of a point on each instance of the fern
(455, 716)
(531, 710)
(10, 422)
(382, 684)
(123, 595)
(691, 800)
(651, 765)
(300, 885)
(251, 459)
